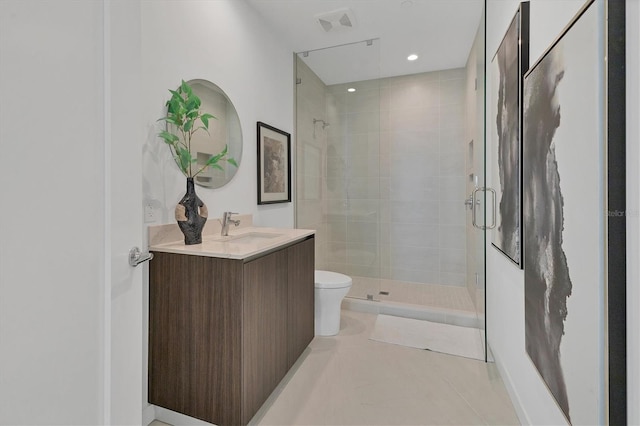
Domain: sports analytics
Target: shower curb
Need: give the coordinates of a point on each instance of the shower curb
(426, 313)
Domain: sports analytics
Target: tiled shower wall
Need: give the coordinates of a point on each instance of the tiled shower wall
(392, 177)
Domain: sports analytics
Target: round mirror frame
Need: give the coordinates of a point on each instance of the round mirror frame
(224, 129)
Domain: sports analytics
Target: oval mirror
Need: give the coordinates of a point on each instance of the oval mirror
(224, 129)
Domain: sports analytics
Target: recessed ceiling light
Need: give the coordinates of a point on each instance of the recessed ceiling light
(351, 89)
(412, 57)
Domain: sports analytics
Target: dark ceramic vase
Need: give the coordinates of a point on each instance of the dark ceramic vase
(191, 214)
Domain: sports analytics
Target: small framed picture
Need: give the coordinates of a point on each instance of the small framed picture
(274, 165)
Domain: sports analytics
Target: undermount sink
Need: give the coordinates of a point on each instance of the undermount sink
(252, 237)
(241, 243)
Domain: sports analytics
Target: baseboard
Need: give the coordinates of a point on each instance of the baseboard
(148, 414)
(513, 395)
(176, 419)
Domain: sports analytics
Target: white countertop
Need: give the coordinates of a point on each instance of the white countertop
(242, 242)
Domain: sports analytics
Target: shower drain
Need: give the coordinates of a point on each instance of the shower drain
(384, 293)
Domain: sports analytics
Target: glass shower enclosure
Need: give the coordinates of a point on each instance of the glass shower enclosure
(385, 168)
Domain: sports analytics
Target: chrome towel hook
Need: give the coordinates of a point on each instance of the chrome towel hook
(136, 257)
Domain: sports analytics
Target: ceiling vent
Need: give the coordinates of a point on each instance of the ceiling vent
(341, 19)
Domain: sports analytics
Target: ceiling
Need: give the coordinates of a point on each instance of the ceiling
(441, 32)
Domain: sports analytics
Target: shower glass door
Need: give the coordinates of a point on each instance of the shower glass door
(476, 194)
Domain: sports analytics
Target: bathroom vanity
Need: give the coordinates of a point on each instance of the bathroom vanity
(227, 320)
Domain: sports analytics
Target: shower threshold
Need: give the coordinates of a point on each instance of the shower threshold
(407, 310)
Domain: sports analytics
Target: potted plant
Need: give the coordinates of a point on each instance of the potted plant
(184, 118)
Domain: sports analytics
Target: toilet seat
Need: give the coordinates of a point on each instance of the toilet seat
(329, 279)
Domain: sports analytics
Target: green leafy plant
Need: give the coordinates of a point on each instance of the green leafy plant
(184, 118)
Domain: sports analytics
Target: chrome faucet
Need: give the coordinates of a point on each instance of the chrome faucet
(226, 219)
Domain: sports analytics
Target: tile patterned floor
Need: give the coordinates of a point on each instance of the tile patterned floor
(349, 379)
(352, 380)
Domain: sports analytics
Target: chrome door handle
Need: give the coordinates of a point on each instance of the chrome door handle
(493, 207)
(475, 201)
(136, 257)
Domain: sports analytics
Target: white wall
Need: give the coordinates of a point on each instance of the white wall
(505, 283)
(52, 216)
(226, 43)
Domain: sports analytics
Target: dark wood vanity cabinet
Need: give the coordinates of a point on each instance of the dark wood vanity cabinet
(224, 332)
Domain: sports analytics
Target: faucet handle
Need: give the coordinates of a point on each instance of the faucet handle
(227, 215)
(226, 219)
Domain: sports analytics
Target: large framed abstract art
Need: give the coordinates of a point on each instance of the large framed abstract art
(508, 66)
(574, 216)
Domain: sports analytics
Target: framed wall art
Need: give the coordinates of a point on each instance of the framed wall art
(574, 216)
(274, 165)
(508, 66)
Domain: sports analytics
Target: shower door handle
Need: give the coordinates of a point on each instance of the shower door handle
(475, 201)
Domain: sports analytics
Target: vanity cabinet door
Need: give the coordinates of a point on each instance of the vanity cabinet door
(264, 340)
(195, 322)
(224, 332)
(301, 289)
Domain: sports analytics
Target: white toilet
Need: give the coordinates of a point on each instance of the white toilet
(331, 288)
